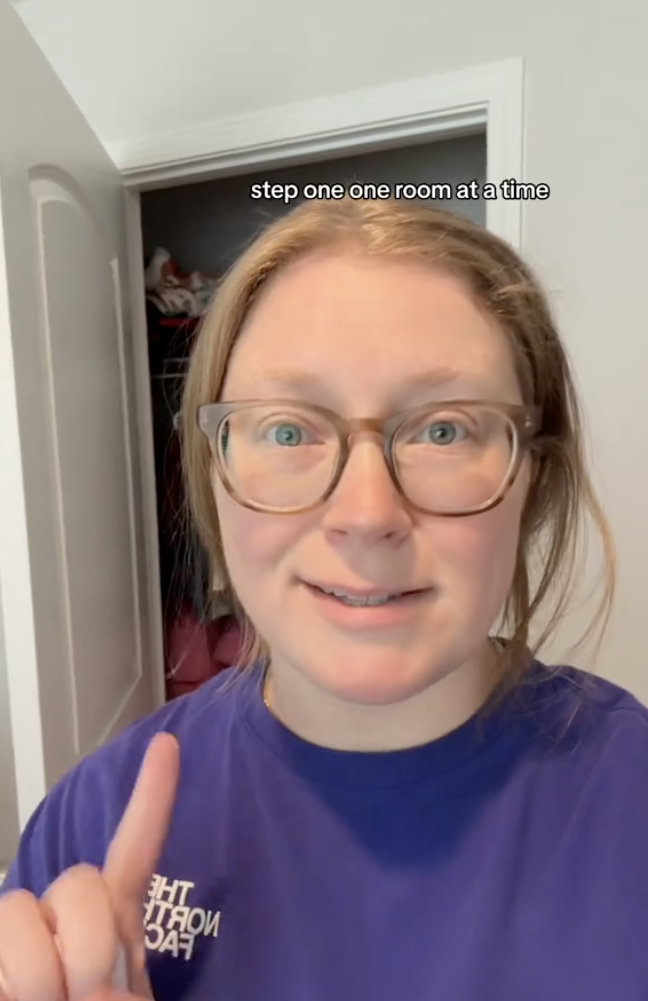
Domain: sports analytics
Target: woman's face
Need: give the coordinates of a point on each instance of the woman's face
(356, 335)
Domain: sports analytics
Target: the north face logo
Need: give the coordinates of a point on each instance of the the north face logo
(171, 924)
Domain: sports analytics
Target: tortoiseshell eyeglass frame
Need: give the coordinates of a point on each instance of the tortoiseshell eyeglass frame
(525, 422)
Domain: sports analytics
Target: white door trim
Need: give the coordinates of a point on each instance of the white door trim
(489, 97)
(138, 353)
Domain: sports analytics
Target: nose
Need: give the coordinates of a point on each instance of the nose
(366, 501)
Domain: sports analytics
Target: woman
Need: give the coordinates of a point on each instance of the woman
(394, 798)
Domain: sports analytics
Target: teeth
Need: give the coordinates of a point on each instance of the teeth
(378, 599)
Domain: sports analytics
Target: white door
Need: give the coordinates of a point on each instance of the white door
(72, 566)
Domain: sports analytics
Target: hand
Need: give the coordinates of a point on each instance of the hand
(68, 945)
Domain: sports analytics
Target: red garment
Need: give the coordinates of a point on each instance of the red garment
(197, 651)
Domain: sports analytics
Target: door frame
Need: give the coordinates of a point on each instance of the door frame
(485, 98)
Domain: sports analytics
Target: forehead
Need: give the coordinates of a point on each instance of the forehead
(342, 328)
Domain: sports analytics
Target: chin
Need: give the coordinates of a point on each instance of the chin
(376, 678)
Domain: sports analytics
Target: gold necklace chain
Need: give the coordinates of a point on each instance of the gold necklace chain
(264, 688)
(265, 683)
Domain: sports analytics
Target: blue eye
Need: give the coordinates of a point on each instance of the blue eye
(445, 432)
(286, 434)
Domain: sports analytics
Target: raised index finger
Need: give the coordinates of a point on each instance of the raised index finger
(134, 851)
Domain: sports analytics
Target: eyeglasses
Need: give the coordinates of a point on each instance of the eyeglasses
(453, 458)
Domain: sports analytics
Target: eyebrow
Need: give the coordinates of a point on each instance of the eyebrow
(427, 379)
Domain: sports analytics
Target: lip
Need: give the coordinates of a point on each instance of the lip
(353, 618)
(365, 592)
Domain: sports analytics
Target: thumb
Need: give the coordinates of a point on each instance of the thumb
(134, 852)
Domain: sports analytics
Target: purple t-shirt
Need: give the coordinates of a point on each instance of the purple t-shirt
(507, 861)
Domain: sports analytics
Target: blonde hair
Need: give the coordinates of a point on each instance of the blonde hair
(561, 499)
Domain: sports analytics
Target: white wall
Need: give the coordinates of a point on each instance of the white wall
(154, 66)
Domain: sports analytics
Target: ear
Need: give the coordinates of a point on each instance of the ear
(527, 477)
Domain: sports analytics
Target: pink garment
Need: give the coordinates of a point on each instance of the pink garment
(197, 651)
